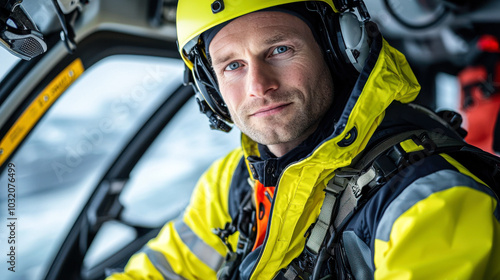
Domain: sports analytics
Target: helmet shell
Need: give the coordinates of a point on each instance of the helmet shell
(196, 16)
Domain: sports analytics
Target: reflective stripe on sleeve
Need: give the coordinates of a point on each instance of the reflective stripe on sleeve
(421, 189)
(358, 255)
(161, 264)
(202, 250)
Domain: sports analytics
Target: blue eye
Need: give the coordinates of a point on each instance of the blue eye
(232, 66)
(280, 49)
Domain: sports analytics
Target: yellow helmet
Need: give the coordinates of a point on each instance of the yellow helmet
(345, 53)
(197, 16)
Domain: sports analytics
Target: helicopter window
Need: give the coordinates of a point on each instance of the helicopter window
(161, 183)
(66, 154)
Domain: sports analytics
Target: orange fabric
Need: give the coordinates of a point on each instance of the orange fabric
(263, 201)
(482, 115)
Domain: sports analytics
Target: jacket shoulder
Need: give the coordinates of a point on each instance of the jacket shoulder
(438, 210)
(215, 183)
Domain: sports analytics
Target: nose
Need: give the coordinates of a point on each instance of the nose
(262, 79)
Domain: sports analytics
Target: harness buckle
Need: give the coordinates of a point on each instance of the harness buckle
(224, 234)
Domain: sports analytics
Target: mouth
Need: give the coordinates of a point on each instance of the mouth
(270, 110)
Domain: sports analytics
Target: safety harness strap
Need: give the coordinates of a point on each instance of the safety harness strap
(351, 179)
(382, 162)
(318, 233)
(349, 198)
(363, 159)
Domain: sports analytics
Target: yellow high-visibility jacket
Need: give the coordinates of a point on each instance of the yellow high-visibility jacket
(439, 222)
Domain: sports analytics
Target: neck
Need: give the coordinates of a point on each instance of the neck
(281, 149)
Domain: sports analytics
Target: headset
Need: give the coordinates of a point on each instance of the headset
(345, 39)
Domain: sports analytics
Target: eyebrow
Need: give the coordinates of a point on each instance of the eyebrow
(222, 60)
(269, 41)
(275, 39)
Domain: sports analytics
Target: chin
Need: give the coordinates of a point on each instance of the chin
(272, 137)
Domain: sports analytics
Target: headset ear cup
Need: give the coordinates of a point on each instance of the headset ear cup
(355, 40)
(342, 69)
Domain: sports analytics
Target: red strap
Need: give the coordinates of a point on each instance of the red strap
(263, 201)
(488, 43)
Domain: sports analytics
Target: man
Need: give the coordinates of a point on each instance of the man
(310, 115)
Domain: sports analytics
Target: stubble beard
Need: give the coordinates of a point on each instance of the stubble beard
(288, 127)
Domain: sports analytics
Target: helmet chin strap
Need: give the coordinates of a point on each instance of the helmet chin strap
(18, 33)
(215, 122)
(204, 83)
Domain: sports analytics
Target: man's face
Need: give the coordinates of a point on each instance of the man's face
(273, 78)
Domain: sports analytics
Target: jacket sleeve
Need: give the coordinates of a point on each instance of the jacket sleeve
(442, 226)
(186, 248)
